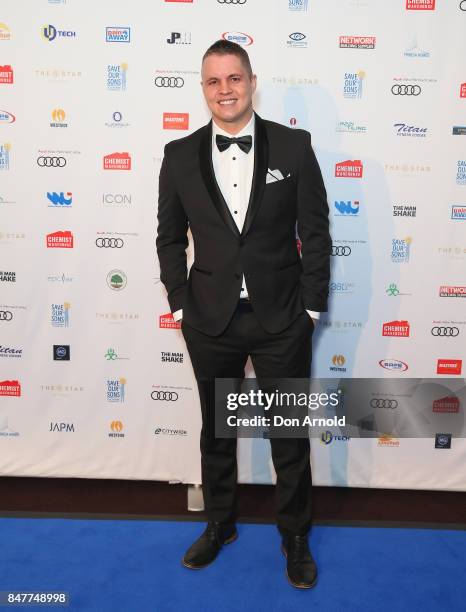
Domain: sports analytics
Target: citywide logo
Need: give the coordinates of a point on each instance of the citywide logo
(6, 75)
(338, 362)
(455, 291)
(6, 117)
(60, 199)
(327, 437)
(402, 129)
(116, 280)
(60, 315)
(116, 390)
(117, 161)
(394, 365)
(116, 34)
(5, 156)
(60, 240)
(116, 76)
(357, 42)
(352, 84)
(168, 431)
(10, 388)
(420, 5)
(449, 367)
(401, 250)
(166, 321)
(349, 169)
(175, 121)
(116, 430)
(348, 208)
(396, 329)
(50, 33)
(58, 118)
(179, 38)
(240, 38)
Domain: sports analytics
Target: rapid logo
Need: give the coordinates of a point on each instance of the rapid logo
(5, 156)
(59, 199)
(347, 209)
(116, 390)
(118, 35)
(401, 248)
(60, 240)
(349, 169)
(352, 87)
(61, 352)
(6, 75)
(393, 364)
(117, 161)
(60, 315)
(6, 117)
(50, 33)
(116, 76)
(10, 388)
(396, 329)
(458, 212)
(240, 38)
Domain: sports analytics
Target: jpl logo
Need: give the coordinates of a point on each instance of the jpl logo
(59, 199)
(179, 38)
(352, 87)
(5, 156)
(60, 316)
(116, 390)
(347, 209)
(116, 76)
(401, 250)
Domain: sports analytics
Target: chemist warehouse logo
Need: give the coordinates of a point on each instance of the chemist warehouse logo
(10, 388)
(349, 169)
(420, 5)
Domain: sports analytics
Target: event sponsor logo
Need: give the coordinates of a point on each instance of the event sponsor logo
(298, 5)
(6, 315)
(116, 199)
(349, 169)
(406, 169)
(449, 366)
(60, 278)
(420, 5)
(179, 38)
(116, 280)
(449, 404)
(396, 329)
(61, 352)
(342, 288)
(352, 84)
(455, 291)
(10, 237)
(357, 42)
(118, 34)
(7, 277)
(393, 291)
(167, 431)
(61, 390)
(394, 365)
(401, 250)
(117, 161)
(116, 429)
(58, 118)
(60, 240)
(167, 81)
(5, 32)
(6, 75)
(60, 200)
(443, 440)
(338, 325)
(164, 396)
(460, 172)
(388, 440)
(406, 90)
(116, 76)
(338, 362)
(293, 81)
(401, 129)
(453, 252)
(117, 121)
(57, 74)
(349, 127)
(50, 33)
(166, 321)
(6, 117)
(60, 315)
(404, 210)
(116, 390)
(459, 130)
(232, 1)
(385, 403)
(168, 356)
(5, 429)
(240, 38)
(327, 437)
(10, 388)
(111, 355)
(117, 317)
(4, 200)
(5, 156)
(350, 208)
(175, 121)
(297, 39)
(109, 243)
(62, 427)
(7, 351)
(340, 251)
(414, 51)
(445, 332)
(51, 162)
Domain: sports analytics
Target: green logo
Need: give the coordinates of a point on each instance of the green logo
(110, 355)
(392, 290)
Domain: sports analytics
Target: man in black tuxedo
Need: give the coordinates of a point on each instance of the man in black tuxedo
(242, 185)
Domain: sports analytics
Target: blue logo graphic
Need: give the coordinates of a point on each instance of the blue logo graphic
(347, 208)
(59, 199)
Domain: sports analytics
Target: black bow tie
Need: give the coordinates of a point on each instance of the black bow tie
(243, 142)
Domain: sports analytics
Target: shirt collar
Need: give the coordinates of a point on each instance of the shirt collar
(248, 129)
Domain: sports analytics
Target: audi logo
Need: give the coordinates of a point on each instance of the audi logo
(232, 1)
(169, 81)
(166, 396)
(51, 162)
(450, 332)
(341, 251)
(406, 90)
(5, 315)
(384, 403)
(112, 243)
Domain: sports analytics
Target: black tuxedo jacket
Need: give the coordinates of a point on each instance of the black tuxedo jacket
(280, 283)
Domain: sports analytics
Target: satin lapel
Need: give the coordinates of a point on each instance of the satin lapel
(261, 160)
(208, 176)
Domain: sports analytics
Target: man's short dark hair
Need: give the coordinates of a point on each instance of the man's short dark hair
(227, 47)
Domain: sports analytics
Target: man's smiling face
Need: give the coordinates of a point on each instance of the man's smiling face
(228, 89)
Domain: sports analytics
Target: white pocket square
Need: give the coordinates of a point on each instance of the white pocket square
(273, 176)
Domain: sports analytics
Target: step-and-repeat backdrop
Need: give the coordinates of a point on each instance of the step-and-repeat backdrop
(95, 380)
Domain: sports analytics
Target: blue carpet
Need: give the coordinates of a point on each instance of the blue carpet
(134, 566)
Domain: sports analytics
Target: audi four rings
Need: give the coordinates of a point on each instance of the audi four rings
(5, 315)
(384, 403)
(51, 162)
(169, 81)
(406, 90)
(231, 1)
(167, 396)
(341, 251)
(450, 332)
(112, 243)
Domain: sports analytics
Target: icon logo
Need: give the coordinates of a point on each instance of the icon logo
(117, 161)
(175, 121)
(348, 208)
(449, 366)
(393, 364)
(399, 329)
(239, 38)
(6, 75)
(116, 34)
(116, 280)
(352, 84)
(61, 352)
(60, 199)
(349, 169)
(10, 388)
(60, 240)
(51, 162)
(6, 117)
(60, 315)
(406, 90)
(442, 440)
(177, 82)
(109, 243)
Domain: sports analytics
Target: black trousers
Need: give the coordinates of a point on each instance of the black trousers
(283, 355)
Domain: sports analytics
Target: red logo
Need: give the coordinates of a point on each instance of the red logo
(420, 5)
(449, 366)
(446, 404)
(11, 388)
(6, 74)
(117, 161)
(293, 121)
(463, 90)
(357, 42)
(60, 240)
(349, 168)
(399, 329)
(452, 291)
(176, 121)
(166, 321)
(299, 245)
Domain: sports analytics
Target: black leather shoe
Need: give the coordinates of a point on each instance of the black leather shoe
(206, 548)
(301, 569)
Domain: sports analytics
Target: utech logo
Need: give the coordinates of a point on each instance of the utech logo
(6, 75)
(393, 365)
(349, 169)
(117, 161)
(6, 117)
(60, 240)
(118, 35)
(50, 33)
(397, 329)
(10, 388)
(166, 321)
(239, 38)
(60, 200)
(327, 437)
(347, 208)
(175, 121)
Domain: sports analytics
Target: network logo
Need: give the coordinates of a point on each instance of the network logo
(118, 35)
(347, 208)
(60, 199)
